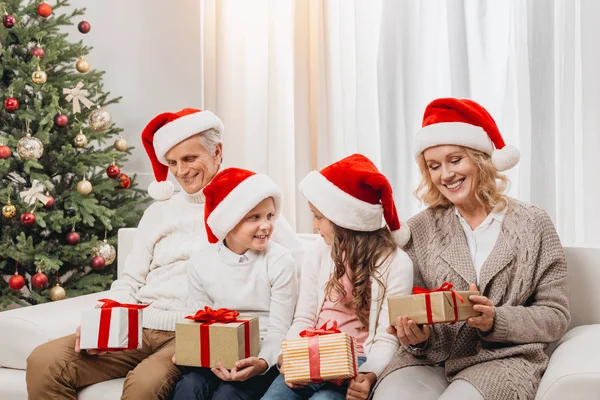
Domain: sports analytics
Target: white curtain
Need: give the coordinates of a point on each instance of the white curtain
(300, 84)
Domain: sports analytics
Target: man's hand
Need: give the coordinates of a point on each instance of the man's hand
(360, 386)
(408, 332)
(91, 352)
(242, 371)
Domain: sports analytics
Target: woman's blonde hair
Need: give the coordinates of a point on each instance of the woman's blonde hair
(363, 253)
(491, 184)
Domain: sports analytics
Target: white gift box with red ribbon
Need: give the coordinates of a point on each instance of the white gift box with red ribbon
(112, 327)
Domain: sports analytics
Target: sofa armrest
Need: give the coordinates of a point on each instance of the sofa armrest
(24, 329)
(574, 368)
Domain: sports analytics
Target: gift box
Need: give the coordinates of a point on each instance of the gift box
(433, 306)
(112, 327)
(212, 336)
(323, 354)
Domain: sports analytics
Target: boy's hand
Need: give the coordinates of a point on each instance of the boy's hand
(242, 371)
(360, 386)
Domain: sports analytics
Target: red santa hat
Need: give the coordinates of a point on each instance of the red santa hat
(231, 194)
(353, 194)
(164, 132)
(465, 123)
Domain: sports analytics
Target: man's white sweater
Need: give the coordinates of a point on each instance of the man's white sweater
(255, 283)
(168, 234)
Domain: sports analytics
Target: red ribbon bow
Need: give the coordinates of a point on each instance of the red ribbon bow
(209, 315)
(132, 319)
(314, 358)
(223, 315)
(445, 287)
(323, 330)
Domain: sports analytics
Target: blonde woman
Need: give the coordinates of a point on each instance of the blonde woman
(476, 237)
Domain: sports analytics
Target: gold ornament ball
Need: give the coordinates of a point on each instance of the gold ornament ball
(39, 77)
(57, 293)
(30, 148)
(121, 144)
(84, 186)
(100, 119)
(106, 251)
(80, 140)
(9, 210)
(82, 66)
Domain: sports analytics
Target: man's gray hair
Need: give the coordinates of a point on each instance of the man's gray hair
(210, 138)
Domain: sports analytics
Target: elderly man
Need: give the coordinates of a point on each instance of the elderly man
(189, 144)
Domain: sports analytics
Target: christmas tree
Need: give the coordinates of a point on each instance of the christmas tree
(62, 193)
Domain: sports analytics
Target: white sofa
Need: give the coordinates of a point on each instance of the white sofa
(573, 373)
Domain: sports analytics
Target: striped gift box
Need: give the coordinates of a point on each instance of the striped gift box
(320, 357)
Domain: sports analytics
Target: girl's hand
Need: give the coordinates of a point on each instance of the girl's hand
(408, 332)
(360, 386)
(242, 371)
(485, 322)
(282, 371)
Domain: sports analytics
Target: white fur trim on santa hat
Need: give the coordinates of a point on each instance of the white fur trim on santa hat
(505, 158)
(340, 207)
(456, 133)
(182, 128)
(161, 190)
(243, 198)
(402, 235)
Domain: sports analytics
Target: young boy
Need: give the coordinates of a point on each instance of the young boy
(245, 272)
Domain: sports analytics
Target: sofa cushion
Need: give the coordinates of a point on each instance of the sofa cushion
(23, 329)
(109, 390)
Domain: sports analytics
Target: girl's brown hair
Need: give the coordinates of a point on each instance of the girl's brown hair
(490, 188)
(364, 253)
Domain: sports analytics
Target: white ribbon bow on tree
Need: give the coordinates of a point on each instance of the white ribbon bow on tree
(35, 192)
(78, 94)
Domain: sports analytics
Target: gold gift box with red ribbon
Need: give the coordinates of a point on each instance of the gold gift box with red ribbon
(323, 354)
(112, 327)
(433, 306)
(212, 336)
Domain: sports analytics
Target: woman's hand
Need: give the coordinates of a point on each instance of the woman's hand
(360, 386)
(408, 332)
(242, 371)
(291, 385)
(485, 322)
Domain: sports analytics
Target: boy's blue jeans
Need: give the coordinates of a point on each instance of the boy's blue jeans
(203, 384)
(314, 391)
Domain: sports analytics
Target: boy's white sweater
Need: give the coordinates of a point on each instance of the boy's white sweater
(256, 283)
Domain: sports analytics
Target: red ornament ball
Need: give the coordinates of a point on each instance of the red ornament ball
(44, 10)
(11, 104)
(27, 219)
(4, 152)
(50, 203)
(37, 52)
(98, 263)
(61, 120)
(73, 238)
(113, 171)
(16, 282)
(9, 21)
(84, 27)
(39, 280)
(124, 181)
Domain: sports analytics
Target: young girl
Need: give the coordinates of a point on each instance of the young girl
(349, 272)
(245, 272)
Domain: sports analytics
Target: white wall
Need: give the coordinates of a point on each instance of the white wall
(150, 51)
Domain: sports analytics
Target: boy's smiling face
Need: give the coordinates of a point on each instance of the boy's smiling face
(254, 230)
